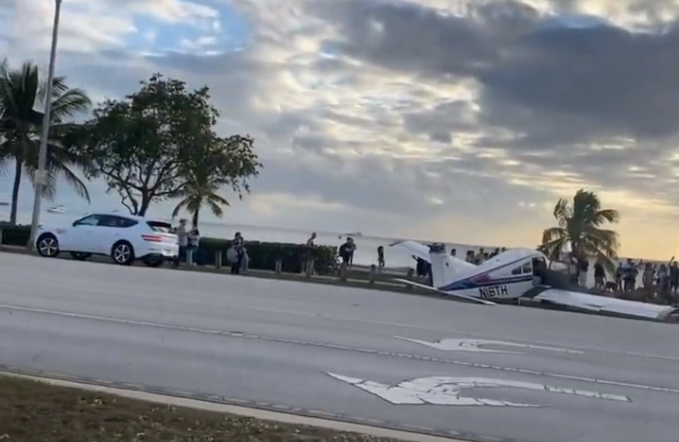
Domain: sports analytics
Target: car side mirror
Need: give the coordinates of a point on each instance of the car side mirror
(75, 223)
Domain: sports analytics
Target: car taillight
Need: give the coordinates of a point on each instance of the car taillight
(152, 238)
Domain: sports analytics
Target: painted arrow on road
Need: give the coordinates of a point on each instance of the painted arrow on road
(443, 390)
(474, 345)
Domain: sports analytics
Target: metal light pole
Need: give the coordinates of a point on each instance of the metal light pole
(41, 174)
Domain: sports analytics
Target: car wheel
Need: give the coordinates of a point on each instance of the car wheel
(122, 253)
(153, 262)
(80, 256)
(48, 245)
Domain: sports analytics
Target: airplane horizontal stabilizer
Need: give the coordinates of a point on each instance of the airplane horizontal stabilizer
(463, 298)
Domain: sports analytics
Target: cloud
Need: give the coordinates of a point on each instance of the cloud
(426, 118)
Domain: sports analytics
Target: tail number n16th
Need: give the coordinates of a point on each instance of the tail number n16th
(493, 292)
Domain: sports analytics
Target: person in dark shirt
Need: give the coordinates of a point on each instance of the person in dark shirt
(380, 257)
(630, 271)
(618, 277)
(238, 245)
(599, 276)
(583, 269)
(346, 251)
(423, 268)
(674, 278)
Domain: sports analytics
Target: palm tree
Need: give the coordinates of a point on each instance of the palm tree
(21, 91)
(201, 189)
(580, 225)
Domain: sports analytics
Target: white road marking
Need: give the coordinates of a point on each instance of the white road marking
(444, 390)
(474, 345)
(478, 335)
(242, 335)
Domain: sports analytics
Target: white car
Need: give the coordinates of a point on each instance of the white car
(125, 238)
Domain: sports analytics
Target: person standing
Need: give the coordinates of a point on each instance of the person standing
(308, 267)
(674, 279)
(380, 257)
(182, 241)
(630, 273)
(583, 270)
(599, 275)
(238, 246)
(192, 247)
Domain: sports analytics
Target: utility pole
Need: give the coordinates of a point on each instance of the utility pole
(41, 174)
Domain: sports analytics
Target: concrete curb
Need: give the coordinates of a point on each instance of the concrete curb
(255, 413)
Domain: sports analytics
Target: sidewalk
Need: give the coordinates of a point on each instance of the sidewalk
(354, 281)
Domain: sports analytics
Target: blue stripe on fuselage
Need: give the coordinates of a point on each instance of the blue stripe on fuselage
(467, 284)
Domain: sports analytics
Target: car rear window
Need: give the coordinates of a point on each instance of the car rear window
(160, 226)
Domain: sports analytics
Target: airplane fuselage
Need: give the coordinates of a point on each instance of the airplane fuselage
(497, 291)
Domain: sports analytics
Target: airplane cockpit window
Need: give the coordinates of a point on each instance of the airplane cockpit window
(516, 270)
(527, 268)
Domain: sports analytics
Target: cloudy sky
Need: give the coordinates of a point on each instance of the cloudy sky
(437, 119)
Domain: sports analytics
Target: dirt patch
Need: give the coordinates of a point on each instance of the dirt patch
(33, 411)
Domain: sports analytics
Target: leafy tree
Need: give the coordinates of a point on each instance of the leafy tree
(147, 146)
(21, 91)
(580, 225)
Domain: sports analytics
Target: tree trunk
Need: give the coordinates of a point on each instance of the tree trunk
(195, 218)
(18, 168)
(144, 206)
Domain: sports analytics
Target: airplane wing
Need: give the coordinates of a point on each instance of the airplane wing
(463, 298)
(606, 305)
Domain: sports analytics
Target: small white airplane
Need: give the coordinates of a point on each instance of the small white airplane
(515, 275)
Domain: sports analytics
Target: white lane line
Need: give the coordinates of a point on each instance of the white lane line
(476, 346)
(253, 336)
(478, 335)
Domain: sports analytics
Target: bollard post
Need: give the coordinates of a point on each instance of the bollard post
(309, 268)
(343, 272)
(371, 276)
(279, 266)
(410, 275)
(218, 259)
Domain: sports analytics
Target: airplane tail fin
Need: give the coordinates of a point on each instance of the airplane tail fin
(444, 267)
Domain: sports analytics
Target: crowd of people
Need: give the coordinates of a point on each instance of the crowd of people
(188, 240)
(423, 268)
(660, 279)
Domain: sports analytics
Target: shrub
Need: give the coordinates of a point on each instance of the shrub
(15, 235)
(263, 255)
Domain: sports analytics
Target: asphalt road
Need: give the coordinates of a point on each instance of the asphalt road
(275, 343)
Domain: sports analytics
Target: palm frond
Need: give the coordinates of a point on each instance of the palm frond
(215, 208)
(580, 224)
(562, 212)
(554, 240)
(70, 102)
(217, 199)
(179, 207)
(604, 216)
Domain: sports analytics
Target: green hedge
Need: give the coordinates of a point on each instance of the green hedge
(15, 235)
(263, 255)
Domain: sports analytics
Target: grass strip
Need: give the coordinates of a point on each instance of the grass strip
(32, 411)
